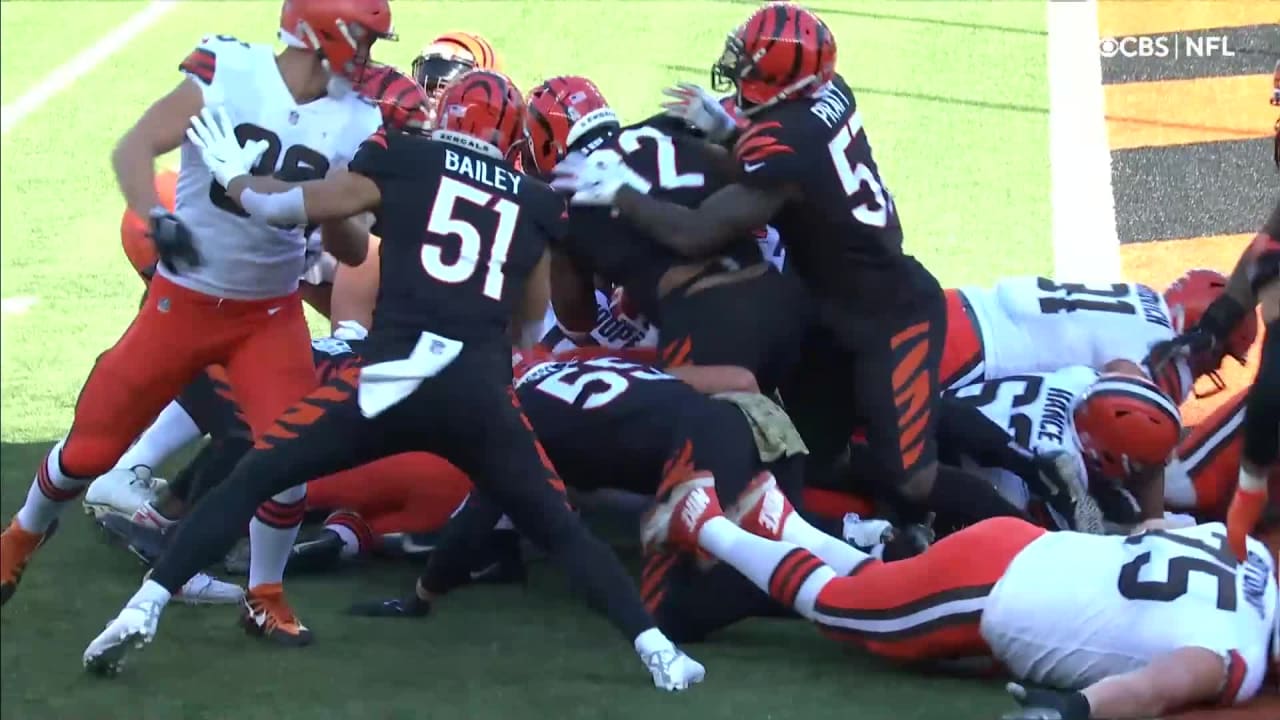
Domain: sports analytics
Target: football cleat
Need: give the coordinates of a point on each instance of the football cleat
(267, 615)
(410, 606)
(204, 589)
(675, 520)
(321, 553)
(145, 542)
(16, 548)
(867, 535)
(133, 628)
(121, 491)
(672, 670)
(147, 516)
(762, 509)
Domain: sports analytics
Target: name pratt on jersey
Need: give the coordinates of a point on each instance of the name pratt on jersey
(1151, 307)
(831, 107)
(1256, 574)
(1057, 409)
(482, 172)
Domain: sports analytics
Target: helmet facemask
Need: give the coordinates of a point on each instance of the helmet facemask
(435, 72)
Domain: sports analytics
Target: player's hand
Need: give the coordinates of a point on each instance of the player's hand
(214, 134)
(1044, 704)
(172, 240)
(1247, 507)
(594, 179)
(1194, 340)
(700, 109)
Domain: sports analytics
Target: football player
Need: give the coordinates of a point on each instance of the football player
(1033, 324)
(226, 288)
(725, 308)
(1125, 627)
(1255, 281)
(436, 374)
(1113, 428)
(447, 57)
(807, 169)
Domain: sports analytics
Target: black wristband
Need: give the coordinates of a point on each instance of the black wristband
(1078, 707)
(1222, 316)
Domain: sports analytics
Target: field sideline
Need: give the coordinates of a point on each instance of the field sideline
(955, 95)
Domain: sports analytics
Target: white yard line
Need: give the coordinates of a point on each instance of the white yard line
(67, 73)
(1085, 245)
(17, 305)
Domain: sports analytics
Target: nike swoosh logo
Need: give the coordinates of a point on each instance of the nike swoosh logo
(752, 167)
(273, 311)
(480, 574)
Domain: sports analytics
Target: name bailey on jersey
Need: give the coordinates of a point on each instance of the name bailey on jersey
(483, 172)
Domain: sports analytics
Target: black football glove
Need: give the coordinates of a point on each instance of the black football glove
(1043, 704)
(1219, 320)
(172, 240)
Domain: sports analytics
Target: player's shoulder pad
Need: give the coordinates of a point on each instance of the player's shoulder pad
(202, 62)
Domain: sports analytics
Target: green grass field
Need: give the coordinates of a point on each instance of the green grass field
(955, 99)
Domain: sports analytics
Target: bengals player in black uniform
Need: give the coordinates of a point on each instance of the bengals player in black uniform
(464, 259)
(729, 307)
(807, 169)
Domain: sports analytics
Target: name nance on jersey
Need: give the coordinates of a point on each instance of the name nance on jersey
(243, 258)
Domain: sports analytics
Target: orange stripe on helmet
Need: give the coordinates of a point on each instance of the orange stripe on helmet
(476, 46)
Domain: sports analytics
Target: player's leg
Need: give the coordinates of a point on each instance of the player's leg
(897, 352)
(1203, 475)
(818, 397)
(127, 388)
(1261, 449)
(510, 468)
(270, 370)
(337, 437)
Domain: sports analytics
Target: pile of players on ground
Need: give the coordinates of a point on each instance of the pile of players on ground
(697, 273)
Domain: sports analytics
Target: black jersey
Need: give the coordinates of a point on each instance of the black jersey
(842, 233)
(678, 167)
(605, 422)
(461, 231)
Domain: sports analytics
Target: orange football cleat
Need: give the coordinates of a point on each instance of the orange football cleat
(16, 548)
(268, 615)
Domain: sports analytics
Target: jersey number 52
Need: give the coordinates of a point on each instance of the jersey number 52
(300, 163)
(595, 383)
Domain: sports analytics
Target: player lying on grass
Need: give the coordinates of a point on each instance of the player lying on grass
(1115, 626)
(437, 373)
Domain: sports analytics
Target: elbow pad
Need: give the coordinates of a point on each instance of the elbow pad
(285, 208)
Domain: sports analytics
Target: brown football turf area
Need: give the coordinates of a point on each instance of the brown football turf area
(1191, 163)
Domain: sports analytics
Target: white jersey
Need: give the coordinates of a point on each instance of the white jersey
(1072, 609)
(614, 328)
(1033, 324)
(1038, 411)
(243, 258)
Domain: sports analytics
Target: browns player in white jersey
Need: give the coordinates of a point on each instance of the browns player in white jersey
(1033, 324)
(1123, 627)
(1112, 428)
(226, 291)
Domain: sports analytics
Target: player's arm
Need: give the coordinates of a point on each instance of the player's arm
(713, 379)
(160, 130)
(1147, 487)
(526, 323)
(573, 295)
(355, 289)
(1187, 676)
(337, 197)
(731, 212)
(348, 239)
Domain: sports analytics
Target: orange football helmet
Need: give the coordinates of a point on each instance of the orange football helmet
(485, 107)
(560, 111)
(447, 57)
(1125, 423)
(342, 31)
(402, 101)
(781, 51)
(1188, 297)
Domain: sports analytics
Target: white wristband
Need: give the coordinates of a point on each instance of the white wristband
(285, 208)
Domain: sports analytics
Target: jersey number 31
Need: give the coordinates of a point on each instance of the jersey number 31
(444, 221)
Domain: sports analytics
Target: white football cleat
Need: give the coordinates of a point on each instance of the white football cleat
(121, 491)
(866, 535)
(204, 589)
(673, 671)
(134, 627)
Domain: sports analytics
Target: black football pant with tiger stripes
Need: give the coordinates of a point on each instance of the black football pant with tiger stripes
(1262, 408)
(468, 414)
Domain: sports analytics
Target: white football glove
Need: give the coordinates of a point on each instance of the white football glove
(595, 179)
(700, 109)
(215, 136)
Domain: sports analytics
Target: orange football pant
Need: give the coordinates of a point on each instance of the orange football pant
(928, 607)
(264, 346)
(406, 493)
